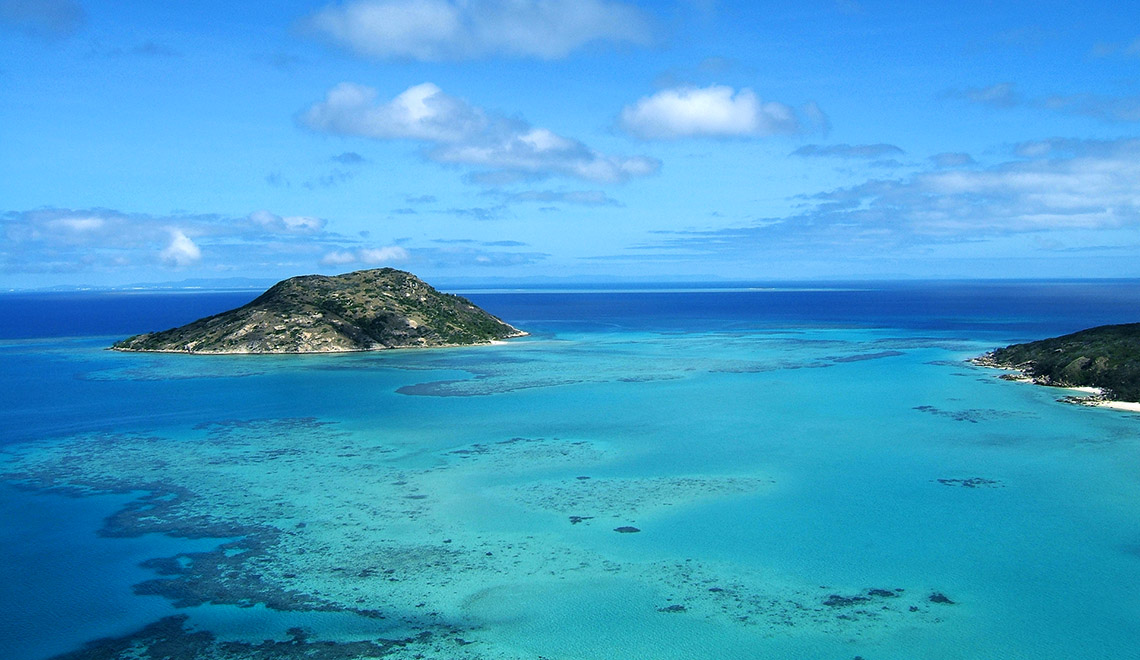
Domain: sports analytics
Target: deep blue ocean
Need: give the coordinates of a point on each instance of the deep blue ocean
(1033, 307)
(668, 471)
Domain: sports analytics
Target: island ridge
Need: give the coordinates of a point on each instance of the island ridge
(1105, 359)
(365, 310)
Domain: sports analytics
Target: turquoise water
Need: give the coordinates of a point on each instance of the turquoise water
(813, 475)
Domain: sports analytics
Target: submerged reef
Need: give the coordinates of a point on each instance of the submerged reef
(310, 517)
(972, 482)
(169, 638)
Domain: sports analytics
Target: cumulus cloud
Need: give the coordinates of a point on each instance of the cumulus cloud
(462, 134)
(43, 18)
(869, 151)
(435, 30)
(182, 251)
(422, 112)
(376, 256)
(714, 111)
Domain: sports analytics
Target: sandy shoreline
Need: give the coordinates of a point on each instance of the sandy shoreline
(1093, 397)
(1130, 406)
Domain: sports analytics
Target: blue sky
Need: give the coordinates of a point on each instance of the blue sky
(585, 139)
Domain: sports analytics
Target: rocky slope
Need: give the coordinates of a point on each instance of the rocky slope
(361, 311)
(1106, 357)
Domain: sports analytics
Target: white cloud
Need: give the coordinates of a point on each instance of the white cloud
(539, 152)
(714, 111)
(463, 134)
(338, 258)
(434, 30)
(382, 254)
(367, 256)
(297, 224)
(1084, 186)
(79, 225)
(53, 239)
(182, 251)
(422, 112)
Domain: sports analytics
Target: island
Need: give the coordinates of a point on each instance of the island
(366, 310)
(1103, 362)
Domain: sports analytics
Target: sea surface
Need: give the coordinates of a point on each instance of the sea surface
(756, 471)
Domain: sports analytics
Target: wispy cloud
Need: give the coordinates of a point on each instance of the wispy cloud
(280, 61)
(441, 30)
(57, 239)
(49, 19)
(1107, 49)
(862, 151)
(373, 256)
(150, 49)
(1106, 108)
(469, 255)
(478, 212)
(1000, 95)
(296, 225)
(1120, 109)
(349, 158)
(581, 197)
(1082, 185)
(714, 111)
(952, 159)
(336, 177)
(459, 133)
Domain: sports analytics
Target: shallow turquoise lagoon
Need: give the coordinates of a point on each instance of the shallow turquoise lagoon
(806, 481)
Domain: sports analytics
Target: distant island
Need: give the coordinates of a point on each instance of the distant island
(366, 310)
(1105, 361)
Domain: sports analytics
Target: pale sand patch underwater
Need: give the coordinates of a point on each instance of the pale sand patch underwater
(332, 521)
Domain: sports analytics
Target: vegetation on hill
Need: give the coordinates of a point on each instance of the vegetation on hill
(1107, 357)
(360, 311)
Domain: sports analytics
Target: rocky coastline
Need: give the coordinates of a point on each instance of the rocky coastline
(1100, 367)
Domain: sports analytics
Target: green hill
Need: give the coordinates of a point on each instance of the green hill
(361, 311)
(1107, 357)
